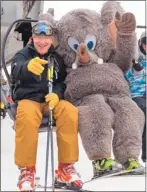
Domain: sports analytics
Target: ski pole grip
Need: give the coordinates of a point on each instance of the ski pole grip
(50, 68)
(50, 73)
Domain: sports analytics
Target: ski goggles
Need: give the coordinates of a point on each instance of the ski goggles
(40, 28)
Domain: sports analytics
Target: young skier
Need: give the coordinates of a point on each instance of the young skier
(29, 69)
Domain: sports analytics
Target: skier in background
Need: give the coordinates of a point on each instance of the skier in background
(25, 29)
(136, 77)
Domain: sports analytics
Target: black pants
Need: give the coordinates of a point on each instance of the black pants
(141, 102)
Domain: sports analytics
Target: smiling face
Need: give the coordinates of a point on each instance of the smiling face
(43, 37)
(42, 43)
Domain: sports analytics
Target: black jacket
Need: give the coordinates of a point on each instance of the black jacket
(33, 87)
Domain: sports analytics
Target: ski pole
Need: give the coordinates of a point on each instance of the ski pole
(51, 124)
(50, 127)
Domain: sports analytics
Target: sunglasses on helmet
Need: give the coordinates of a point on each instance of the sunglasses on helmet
(42, 28)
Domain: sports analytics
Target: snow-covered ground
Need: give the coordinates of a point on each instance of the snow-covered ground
(9, 171)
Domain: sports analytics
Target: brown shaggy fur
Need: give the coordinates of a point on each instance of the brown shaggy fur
(99, 90)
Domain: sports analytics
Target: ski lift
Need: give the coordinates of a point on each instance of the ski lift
(11, 106)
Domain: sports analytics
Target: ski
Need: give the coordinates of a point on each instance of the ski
(121, 173)
(57, 186)
(132, 174)
(118, 173)
(129, 175)
(65, 188)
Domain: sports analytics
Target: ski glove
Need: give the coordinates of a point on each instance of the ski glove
(52, 99)
(35, 65)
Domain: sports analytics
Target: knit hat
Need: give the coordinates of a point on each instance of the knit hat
(51, 11)
(48, 19)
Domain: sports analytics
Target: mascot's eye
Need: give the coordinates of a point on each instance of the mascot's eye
(90, 42)
(73, 43)
(90, 45)
(75, 46)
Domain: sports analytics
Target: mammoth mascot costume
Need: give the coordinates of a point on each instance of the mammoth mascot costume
(97, 50)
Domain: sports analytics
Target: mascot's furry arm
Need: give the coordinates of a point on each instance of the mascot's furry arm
(122, 33)
(126, 42)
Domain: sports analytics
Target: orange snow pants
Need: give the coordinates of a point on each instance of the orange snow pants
(28, 120)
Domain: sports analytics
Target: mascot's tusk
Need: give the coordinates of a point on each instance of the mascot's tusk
(74, 66)
(100, 61)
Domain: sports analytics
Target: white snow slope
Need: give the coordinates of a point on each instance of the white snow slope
(9, 171)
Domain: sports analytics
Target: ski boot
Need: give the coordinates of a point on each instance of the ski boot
(26, 181)
(104, 167)
(67, 177)
(135, 166)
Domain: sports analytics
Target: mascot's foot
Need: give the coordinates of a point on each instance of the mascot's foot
(135, 166)
(105, 166)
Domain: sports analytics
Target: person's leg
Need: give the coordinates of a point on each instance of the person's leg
(95, 129)
(28, 119)
(128, 128)
(66, 117)
(144, 144)
(141, 102)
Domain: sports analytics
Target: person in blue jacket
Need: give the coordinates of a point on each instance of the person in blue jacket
(136, 77)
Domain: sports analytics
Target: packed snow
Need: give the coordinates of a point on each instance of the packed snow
(9, 171)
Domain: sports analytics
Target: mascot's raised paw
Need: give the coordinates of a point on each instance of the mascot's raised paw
(127, 24)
